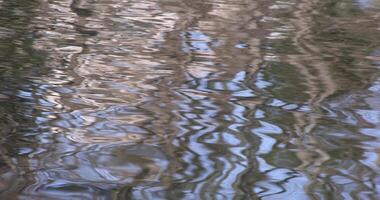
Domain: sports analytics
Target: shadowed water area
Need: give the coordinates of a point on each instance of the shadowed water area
(179, 99)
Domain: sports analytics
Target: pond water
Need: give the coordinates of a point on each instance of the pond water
(200, 99)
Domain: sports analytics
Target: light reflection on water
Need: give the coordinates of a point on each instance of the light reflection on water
(169, 99)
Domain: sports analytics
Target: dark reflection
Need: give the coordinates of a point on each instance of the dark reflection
(154, 99)
(19, 62)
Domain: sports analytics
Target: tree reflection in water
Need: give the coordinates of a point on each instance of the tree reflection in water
(189, 99)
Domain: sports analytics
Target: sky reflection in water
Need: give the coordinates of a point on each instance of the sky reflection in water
(201, 99)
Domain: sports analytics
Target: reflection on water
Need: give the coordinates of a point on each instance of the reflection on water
(202, 99)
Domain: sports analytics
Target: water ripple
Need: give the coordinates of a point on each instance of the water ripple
(199, 99)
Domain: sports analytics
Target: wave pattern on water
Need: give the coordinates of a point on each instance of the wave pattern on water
(201, 99)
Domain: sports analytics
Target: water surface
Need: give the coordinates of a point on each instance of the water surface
(200, 99)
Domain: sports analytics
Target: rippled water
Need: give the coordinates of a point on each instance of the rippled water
(200, 99)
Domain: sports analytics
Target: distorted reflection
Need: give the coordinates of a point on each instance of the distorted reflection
(201, 99)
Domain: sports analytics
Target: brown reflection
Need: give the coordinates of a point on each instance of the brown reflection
(200, 100)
